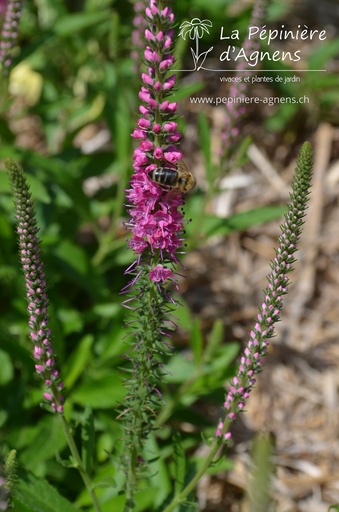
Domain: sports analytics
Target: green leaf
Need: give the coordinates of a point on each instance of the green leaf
(72, 320)
(160, 471)
(322, 53)
(197, 342)
(240, 156)
(185, 91)
(42, 442)
(6, 366)
(35, 495)
(4, 183)
(38, 189)
(100, 393)
(214, 339)
(180, 368)
(78, 361)
(183, 314)
(179, 460)
(109, 310)
(88, 440)
(213, 225)
(107, 483)
(73, 23)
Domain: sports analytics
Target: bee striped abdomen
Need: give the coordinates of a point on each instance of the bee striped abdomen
(164, 176)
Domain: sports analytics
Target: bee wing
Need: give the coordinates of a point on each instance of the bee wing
(182, 167)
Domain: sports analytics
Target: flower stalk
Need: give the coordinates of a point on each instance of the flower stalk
(36, 289)
(40, 333)
(251, 361)
(156, 223)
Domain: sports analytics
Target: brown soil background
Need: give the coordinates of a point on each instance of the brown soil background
(295, 403)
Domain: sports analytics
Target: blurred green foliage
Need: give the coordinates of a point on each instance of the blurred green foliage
(74, 84)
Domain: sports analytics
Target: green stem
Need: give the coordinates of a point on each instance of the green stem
(217, 443)
(78, 463)
(131, 482)
(180, 498)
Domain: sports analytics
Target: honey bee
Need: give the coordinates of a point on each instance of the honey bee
(179, 179)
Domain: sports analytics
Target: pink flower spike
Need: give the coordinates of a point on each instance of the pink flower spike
(154, 201)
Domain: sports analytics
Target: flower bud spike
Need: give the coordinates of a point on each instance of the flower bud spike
(251, 360)
(36, 284)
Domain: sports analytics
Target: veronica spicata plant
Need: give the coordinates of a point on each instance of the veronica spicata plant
(40, 332)
(251, 360)
(36, 289)
(156, 223)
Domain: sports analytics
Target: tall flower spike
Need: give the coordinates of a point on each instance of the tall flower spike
(32, 265)
(10, 12)
(156, 223)
(250, 363)
(269, 313)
